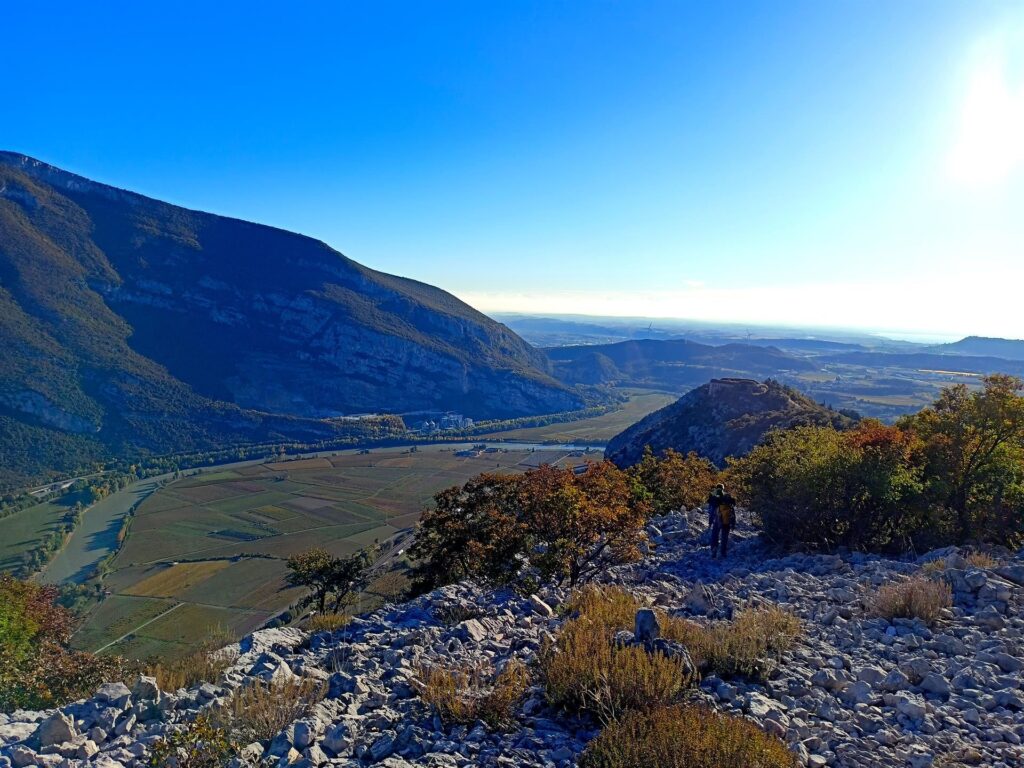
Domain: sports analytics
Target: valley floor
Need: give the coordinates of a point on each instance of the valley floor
(205, 555)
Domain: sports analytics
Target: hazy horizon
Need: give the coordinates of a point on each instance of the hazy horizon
(759, 330)
(850, 166)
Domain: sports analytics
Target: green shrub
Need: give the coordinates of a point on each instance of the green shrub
(973, 449)
(816, 486)
(952, 473)
(200, 744)
(685, 737)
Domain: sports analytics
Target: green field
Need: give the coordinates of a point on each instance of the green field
(598, 430)
(206, 553)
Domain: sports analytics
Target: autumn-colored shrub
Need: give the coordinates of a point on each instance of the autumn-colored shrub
(37, 670)
(568, 526)
(466, 695)
(917, 597)
(685, 737)
(579, 524)
(199, 744)
(260, 711)
(472, 530)
(675, 480)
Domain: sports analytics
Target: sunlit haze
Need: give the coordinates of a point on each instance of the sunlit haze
(830, 164)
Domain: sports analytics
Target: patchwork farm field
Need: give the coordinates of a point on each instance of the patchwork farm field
(597, 430)
(207, 552)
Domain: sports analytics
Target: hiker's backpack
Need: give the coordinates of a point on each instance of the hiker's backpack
(726, 512)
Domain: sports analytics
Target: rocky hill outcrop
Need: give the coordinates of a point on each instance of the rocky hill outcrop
(725, 417)
(855, 691)
(130, 325)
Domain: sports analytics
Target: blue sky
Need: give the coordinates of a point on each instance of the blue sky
(825, 163)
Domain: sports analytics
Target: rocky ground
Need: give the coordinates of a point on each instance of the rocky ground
(854, 691)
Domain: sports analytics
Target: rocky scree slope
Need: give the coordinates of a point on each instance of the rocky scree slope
(854, 691)
(129, 324)
(725, 417)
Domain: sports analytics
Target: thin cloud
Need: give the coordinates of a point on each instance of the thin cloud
(936, 306)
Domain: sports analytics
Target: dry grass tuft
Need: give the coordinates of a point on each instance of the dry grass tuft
(749, 646)
(201, 666)
(915, 598)
(584, 670)
(327, 622)
(977, 559)
(260, 711)
(677, 736)
(468, 695)
(933, 567)
(608, 606)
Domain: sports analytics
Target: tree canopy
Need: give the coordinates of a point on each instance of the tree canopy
(555, 522)
(328, 577)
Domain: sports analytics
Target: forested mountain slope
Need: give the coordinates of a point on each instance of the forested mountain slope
(128, 324)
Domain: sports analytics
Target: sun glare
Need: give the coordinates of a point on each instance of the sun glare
(990, 143)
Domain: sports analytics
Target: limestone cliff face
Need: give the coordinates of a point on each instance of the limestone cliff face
(725, 417)
(152, 325)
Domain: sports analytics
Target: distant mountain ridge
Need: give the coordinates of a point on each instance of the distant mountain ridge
(668, 363)
(725, 417)
(984, 346)
(128, 324)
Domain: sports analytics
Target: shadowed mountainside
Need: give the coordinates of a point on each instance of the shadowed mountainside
(132, 325)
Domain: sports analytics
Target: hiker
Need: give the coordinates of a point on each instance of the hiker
(713, 499)
(723, 515)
